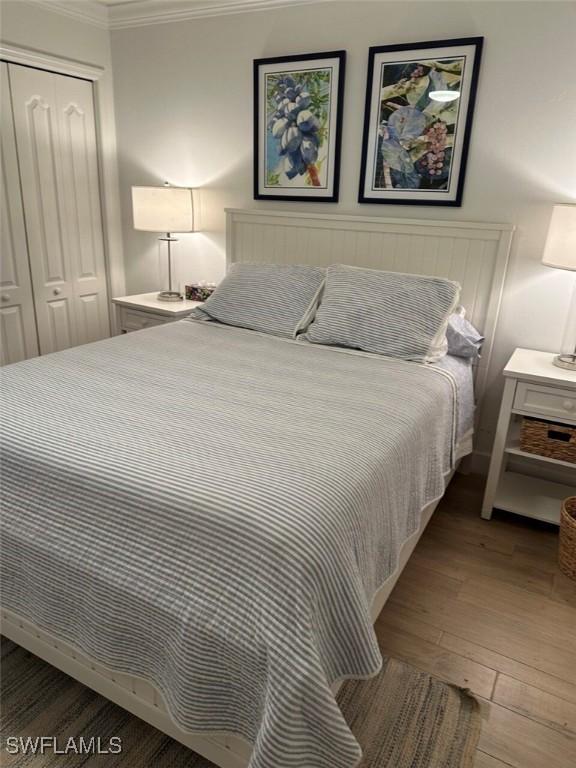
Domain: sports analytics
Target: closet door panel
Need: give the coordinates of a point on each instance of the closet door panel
(55, 131)
(18, 336)
(42, 146)
(36, 122)
(82, 205)
(58, 312)
(13, 335)
(91, 314)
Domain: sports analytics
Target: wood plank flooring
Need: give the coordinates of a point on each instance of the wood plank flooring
(483, 605)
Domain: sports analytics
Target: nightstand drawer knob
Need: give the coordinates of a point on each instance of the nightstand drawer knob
(57, 291)
(568, 405)
(5, 297)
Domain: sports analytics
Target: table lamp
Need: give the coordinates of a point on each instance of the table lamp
(164, 209)
(560, 252)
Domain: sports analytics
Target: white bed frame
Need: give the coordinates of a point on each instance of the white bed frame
(474, 254)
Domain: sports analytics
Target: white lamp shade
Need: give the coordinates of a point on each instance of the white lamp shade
(560, 248)
(163, 209)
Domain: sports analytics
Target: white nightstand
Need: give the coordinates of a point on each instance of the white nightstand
(534, 387)
(145, 310)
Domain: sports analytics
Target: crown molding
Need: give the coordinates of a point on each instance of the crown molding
(88, 11)
(33, 58)
(147, 12)
(142, 13)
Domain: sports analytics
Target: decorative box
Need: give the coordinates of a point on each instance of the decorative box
(198, 291)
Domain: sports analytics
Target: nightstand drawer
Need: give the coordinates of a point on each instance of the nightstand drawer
(132, 320)
(545, 401)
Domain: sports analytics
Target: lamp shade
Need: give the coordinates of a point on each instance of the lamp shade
(560, 248)
(163, 209)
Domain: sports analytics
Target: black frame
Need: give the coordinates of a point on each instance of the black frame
(477, 42)
(341, 56)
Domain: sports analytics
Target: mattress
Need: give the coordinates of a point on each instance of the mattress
(213, 509)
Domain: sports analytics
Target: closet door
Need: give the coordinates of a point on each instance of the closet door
(56, 138)
(17, 322)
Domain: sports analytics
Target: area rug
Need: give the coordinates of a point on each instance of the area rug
(403, 718)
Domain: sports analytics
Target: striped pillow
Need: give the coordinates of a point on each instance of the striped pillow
(389, 313)
(271, 298)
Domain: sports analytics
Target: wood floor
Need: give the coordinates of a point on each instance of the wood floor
(482, 604)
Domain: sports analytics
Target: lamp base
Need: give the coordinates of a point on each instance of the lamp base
(169, 296)
(567, 361)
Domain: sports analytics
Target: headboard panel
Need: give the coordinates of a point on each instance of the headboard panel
(474, 254)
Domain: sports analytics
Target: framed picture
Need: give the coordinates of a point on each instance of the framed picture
(417, 121)
(298, 104)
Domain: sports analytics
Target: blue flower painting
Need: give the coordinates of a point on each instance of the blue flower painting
(418, 119)
(297, 126)
(297, 120)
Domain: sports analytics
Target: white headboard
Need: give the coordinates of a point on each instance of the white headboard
(474, 254)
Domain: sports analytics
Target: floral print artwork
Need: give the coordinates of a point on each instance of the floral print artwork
(418, 118)
(416, 131)
(297, 126)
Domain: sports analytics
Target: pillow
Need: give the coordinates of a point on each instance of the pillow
(389, 313)
(463, 339)
(271, 298)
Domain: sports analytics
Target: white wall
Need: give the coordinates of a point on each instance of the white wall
(184, 113)
(27, 25)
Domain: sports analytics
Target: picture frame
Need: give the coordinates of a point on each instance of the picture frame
(298, 109)
(419, 108)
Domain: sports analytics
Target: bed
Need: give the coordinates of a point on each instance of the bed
(223, 590)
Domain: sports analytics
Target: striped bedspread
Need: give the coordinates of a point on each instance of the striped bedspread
(213, 509)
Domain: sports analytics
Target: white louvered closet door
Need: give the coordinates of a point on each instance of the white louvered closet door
(56, 141)
(18, 335)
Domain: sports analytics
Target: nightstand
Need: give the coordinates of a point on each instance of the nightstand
(145, 310)
(534, 387)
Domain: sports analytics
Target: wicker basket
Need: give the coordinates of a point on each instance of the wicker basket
(567, 553)
(545, 438)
